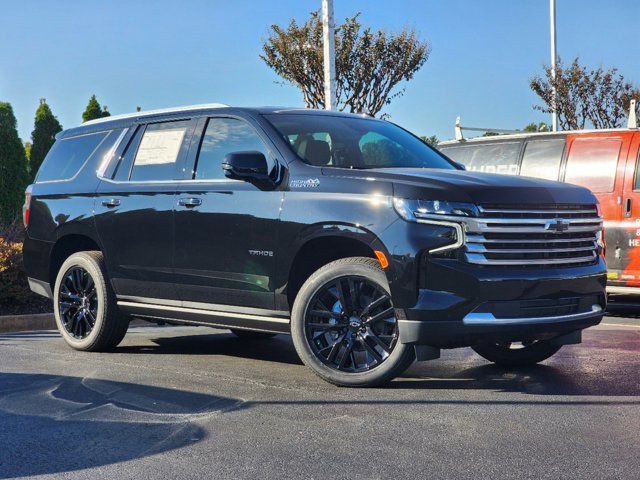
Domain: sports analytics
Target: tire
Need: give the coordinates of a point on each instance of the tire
(357, 365)
(528, 354)
(89, 320)
(252, 335)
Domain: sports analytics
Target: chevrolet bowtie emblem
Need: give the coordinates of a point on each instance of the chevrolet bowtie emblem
(557, 226)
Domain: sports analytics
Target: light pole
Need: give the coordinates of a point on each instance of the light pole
(328, 32)
(554, 93)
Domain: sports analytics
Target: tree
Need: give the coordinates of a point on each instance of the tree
(585, 97)
(43, 136)
(432, 140)
(13, 166)
(369, 64)
(94, 110)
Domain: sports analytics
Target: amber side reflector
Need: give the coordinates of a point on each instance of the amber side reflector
(382, 258)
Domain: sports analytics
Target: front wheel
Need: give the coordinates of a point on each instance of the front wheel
(344, 325)
(517, 354)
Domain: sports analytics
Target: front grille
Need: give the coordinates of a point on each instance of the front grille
(541, 236)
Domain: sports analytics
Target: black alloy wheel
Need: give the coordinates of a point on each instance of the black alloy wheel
(78, 302)
(350, 324)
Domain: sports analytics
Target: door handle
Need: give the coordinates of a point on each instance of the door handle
(627, 207)
(189, 202)
(112, 202)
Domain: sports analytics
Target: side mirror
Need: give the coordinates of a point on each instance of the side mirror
(248, 166)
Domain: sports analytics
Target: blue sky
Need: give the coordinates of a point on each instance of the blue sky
(160, 53)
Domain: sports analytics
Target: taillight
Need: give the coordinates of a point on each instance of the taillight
(27, 206)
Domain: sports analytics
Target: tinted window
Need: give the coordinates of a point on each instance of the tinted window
(501, 157)
(67, 156)
(158, 152)
(353, 142)
(542, 158)
(223, 136)
(593, 162)
(124, 167)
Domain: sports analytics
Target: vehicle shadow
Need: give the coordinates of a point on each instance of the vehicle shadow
(277, 349)
(90, 422)
(614, 370)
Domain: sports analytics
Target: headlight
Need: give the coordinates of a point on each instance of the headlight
(413, 210)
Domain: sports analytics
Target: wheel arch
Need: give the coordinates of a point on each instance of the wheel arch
(324, 243)
(66, 246)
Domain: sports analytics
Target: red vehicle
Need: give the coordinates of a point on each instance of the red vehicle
(605, 161)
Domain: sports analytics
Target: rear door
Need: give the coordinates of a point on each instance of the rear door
(597, 161)
(134, 212)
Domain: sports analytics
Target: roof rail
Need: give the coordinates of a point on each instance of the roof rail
(158, 111)
(459, 128)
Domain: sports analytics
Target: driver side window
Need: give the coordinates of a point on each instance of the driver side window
(223, 136)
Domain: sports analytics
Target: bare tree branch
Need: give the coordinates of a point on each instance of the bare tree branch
(597, 98)
(370, 65)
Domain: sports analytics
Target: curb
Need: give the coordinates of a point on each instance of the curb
(21, 323)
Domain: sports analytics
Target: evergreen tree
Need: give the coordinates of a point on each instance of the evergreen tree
(13, 166)
(94, 110)
(43, 136)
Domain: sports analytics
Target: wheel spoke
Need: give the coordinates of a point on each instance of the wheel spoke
(381, 316)
(91, 319)
(376, 356)
(380, 343)
(352, 294)
(335, 349)
(345, 354)
(341, 296)
(326, 326)
(375, 304)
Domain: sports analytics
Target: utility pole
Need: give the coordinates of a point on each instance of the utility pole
(554, 93)
(329, 47)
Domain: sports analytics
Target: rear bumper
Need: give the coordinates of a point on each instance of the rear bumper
(464, 305)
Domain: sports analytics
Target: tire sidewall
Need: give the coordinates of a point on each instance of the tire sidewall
(327, 274)
(90, 265)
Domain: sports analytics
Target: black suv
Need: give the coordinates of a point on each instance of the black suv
(367, 245)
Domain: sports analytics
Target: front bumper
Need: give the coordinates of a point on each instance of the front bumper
(462, 305)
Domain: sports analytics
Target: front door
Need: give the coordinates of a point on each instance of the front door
(226, 230)
(135, 216)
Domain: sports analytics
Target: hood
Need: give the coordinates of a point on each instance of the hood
(473, 187)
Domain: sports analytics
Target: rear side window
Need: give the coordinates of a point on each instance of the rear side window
(593, 162)
(500, 157)
(542, 158)
(158, 152)
(223, 136)
(67, 156)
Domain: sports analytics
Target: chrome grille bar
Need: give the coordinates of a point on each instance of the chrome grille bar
(541, 235)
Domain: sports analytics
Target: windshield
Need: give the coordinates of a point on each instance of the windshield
(350, 142)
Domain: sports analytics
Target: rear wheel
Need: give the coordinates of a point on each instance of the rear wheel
(344, 325)
(252, 335)
(517, 354)
(85, 306)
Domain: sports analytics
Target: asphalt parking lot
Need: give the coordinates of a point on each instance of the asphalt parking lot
(193, 402)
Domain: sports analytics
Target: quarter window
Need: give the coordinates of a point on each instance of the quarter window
(593, 162)
(67, 156)
(224, 136)
(499, 157)
(542, 158)
(158, 152)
